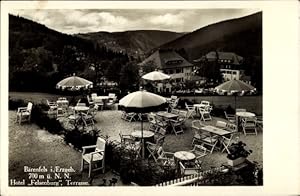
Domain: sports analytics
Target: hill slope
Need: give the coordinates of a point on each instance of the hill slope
(242, 35)
(135, 43)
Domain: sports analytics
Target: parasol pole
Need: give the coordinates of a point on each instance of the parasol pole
(143, 151)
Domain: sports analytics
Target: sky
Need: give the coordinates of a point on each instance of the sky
(93, 20)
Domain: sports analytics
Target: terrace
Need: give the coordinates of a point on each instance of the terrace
(31, 145)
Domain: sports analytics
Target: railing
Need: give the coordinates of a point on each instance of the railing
(191, 180)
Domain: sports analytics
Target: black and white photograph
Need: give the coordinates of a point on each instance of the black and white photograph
(125, 97)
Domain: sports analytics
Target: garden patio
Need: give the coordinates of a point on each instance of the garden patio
(31, 145)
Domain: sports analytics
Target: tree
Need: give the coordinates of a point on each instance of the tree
(129, 77)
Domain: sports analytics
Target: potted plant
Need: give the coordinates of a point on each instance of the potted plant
(237, 153)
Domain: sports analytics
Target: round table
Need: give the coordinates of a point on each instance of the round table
(245, 114)
(184, 156)
(81, 108)
(138, 134)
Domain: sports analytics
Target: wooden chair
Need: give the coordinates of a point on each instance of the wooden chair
(249, 126)
(208, 140)
(199, 151)
(153, 150)
(196, 126)
(24, 113)
(187, 169)
(161, 122)
(204, 102)
(177, 126)
(129, 116)
(174, 103)
(94, 158)
(205, 114)
(191, 110)
(230, 117)
(227, 141)
(259, 121)
(231, 127)
(126, 139)
(152, 122)
(52, 106)
(165, 158)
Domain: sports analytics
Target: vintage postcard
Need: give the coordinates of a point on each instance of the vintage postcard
(110, 96)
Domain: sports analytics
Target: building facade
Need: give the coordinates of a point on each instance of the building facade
(171, 63)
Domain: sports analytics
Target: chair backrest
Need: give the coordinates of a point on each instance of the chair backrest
(161, 131)
(200, 149)
(100, 145)
(183, 114)
(29, 106)
(160, 152)
(231, 126)
(226, 115)
(160, 140)
(240, 110)
(173, 97)
(205, 102)
(221, 124)
(175, 111)
(249, 121)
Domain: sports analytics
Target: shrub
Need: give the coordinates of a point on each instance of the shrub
(133, 168)
(237, 150)
(13, 104)
(78, 138)
(217, 111)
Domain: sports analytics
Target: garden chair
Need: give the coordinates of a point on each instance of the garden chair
(90, 100)
(199, 151)
(126, 139)
(112, 98)
(204, 114)
(129, 116)
(153, 150)
(196, 126)
(160, 132)
(203, 137)
(175, 111)
(72, 118)
(189, 168)
(88, 120)
(259, 121)
(24, 113)
(174, 103)
(165, 158)
(227, 141)
(173, 97)
(177, 126)
(206, 103)
(249, 126)
(52, 106)
(230, 117)
(152, 122)
(191, 110)
(161, 122)
(97, 157)
(231, 127)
